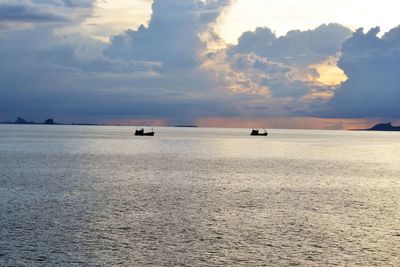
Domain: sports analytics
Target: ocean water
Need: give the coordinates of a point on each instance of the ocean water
(98, 196)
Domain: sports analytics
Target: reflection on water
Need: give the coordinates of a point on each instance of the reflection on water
(100, 196)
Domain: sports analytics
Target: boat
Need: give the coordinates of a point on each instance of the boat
(141, 132)
(256, 132)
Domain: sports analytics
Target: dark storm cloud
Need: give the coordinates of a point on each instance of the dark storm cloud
(372, 65)
(18, 12)
(158, 73)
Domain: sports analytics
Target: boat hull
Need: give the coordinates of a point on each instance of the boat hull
(142, 133)
(257, 133)
(262, 134)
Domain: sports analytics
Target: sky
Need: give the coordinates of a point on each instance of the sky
(219, 63)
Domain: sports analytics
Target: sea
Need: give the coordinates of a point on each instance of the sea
(99, 196)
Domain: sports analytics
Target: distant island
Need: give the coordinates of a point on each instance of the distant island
(388, 127)
(21, 121)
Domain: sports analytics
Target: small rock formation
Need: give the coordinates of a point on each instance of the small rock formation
(49, 122)
(20, 121)
(385, 127)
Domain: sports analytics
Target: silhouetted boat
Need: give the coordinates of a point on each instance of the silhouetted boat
(141, 132)
(255, 132)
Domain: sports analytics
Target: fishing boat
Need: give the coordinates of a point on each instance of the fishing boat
(141, 132)
(256, 132)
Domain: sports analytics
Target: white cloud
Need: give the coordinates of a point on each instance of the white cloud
(286, 15)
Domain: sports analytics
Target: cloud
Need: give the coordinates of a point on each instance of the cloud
(79, 3)
(175, 69)
(10, 12)
(372, 66)
(18, 14)
(158, 72)
(297, 48)
(172, 36)
(280, 70)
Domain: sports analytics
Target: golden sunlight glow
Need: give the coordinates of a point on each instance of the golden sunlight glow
(329, 73)
(115, 16)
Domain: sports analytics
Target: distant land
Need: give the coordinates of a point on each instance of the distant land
(388, 127)
(21, 121)
(185, 126)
